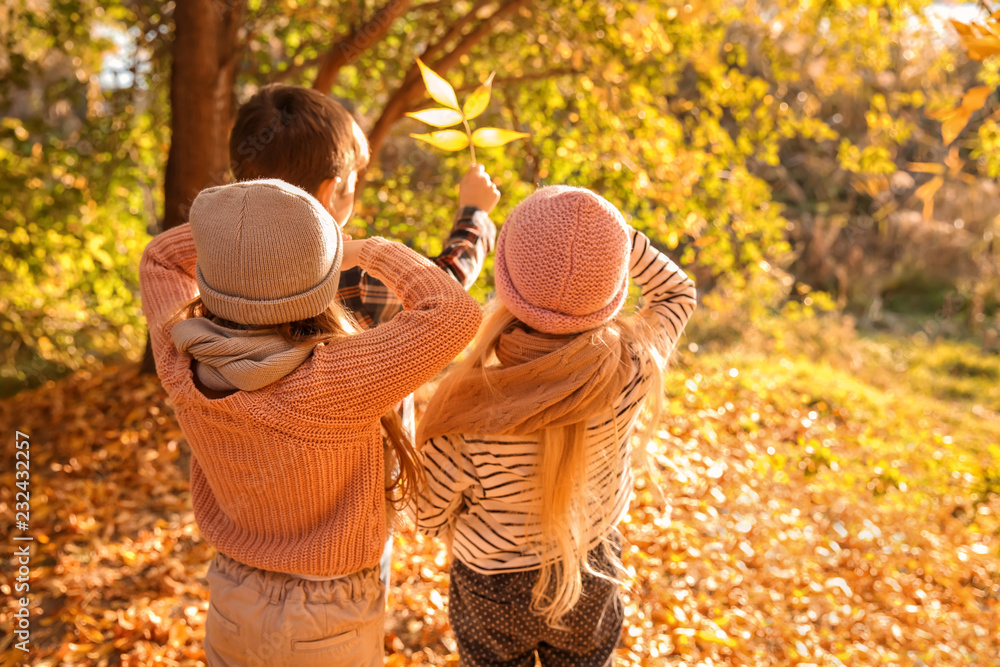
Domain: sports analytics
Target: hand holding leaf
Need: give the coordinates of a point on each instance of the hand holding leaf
(453, 140)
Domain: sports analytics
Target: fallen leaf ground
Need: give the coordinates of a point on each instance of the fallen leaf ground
(826, 509)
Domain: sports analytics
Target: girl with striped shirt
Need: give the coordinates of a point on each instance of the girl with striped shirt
(526, 443)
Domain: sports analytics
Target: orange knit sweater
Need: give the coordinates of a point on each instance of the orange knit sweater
(290, 477)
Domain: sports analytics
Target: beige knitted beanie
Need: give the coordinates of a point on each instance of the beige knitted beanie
(562, 260)
(268, 252)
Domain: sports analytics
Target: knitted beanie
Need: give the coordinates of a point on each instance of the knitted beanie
(268, 252)
(562, 260)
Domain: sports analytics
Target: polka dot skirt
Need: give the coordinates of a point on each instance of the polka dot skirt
(495, 627)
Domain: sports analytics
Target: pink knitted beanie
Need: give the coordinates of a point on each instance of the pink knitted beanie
(268, 252)
(562, 260)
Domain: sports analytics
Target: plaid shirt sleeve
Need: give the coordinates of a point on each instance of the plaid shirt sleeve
(472, 238)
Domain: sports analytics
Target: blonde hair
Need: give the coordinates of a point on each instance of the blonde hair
(334, 323)
(564, 520)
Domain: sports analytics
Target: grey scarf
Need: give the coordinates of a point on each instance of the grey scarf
(236, 358)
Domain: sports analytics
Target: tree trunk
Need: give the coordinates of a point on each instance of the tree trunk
(205, 55)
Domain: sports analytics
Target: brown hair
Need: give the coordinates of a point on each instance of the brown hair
(296, 134)
(333, 323)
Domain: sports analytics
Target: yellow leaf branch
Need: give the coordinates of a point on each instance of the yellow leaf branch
(475, 104)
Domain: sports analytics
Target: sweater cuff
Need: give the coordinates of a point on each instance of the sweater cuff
(372, 251)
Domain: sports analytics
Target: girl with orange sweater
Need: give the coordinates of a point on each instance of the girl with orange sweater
(280, 399)
(526, 443)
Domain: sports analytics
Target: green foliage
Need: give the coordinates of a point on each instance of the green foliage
(680, 113)
(988, 150)
(81, 169)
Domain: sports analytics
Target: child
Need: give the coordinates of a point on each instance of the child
(308, 139)
(280, 400)
(526, 458)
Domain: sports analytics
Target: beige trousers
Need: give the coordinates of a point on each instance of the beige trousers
(258, 618)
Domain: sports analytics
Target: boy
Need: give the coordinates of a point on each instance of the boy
(308, 139)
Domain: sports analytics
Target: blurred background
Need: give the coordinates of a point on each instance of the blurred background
(789, 153)
(826, 170)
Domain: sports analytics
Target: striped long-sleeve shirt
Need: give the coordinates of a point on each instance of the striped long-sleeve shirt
(485, 488)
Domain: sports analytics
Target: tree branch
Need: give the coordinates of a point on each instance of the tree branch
(528, 146)
(454, 30)
(433, 5)
(357, 42)
(533, 76)
(413, 74)
(470, 40)
(409, 90)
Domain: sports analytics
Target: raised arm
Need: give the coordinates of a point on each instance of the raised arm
(473, 236)
(668, 293)
(471, 239)
(167, 281)
(366, 374)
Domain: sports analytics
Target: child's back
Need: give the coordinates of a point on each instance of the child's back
(528, 457)
(280, 401)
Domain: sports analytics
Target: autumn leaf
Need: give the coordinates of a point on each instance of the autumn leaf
(477, 102)
(449, 140)
(491, 137)
(872, 185)
(953, 125)
(975, 98)
(926, 192)
(437, 117)
(954, 120)
(962, 29)
(980, 48)
(439, 89)
(926, 167)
